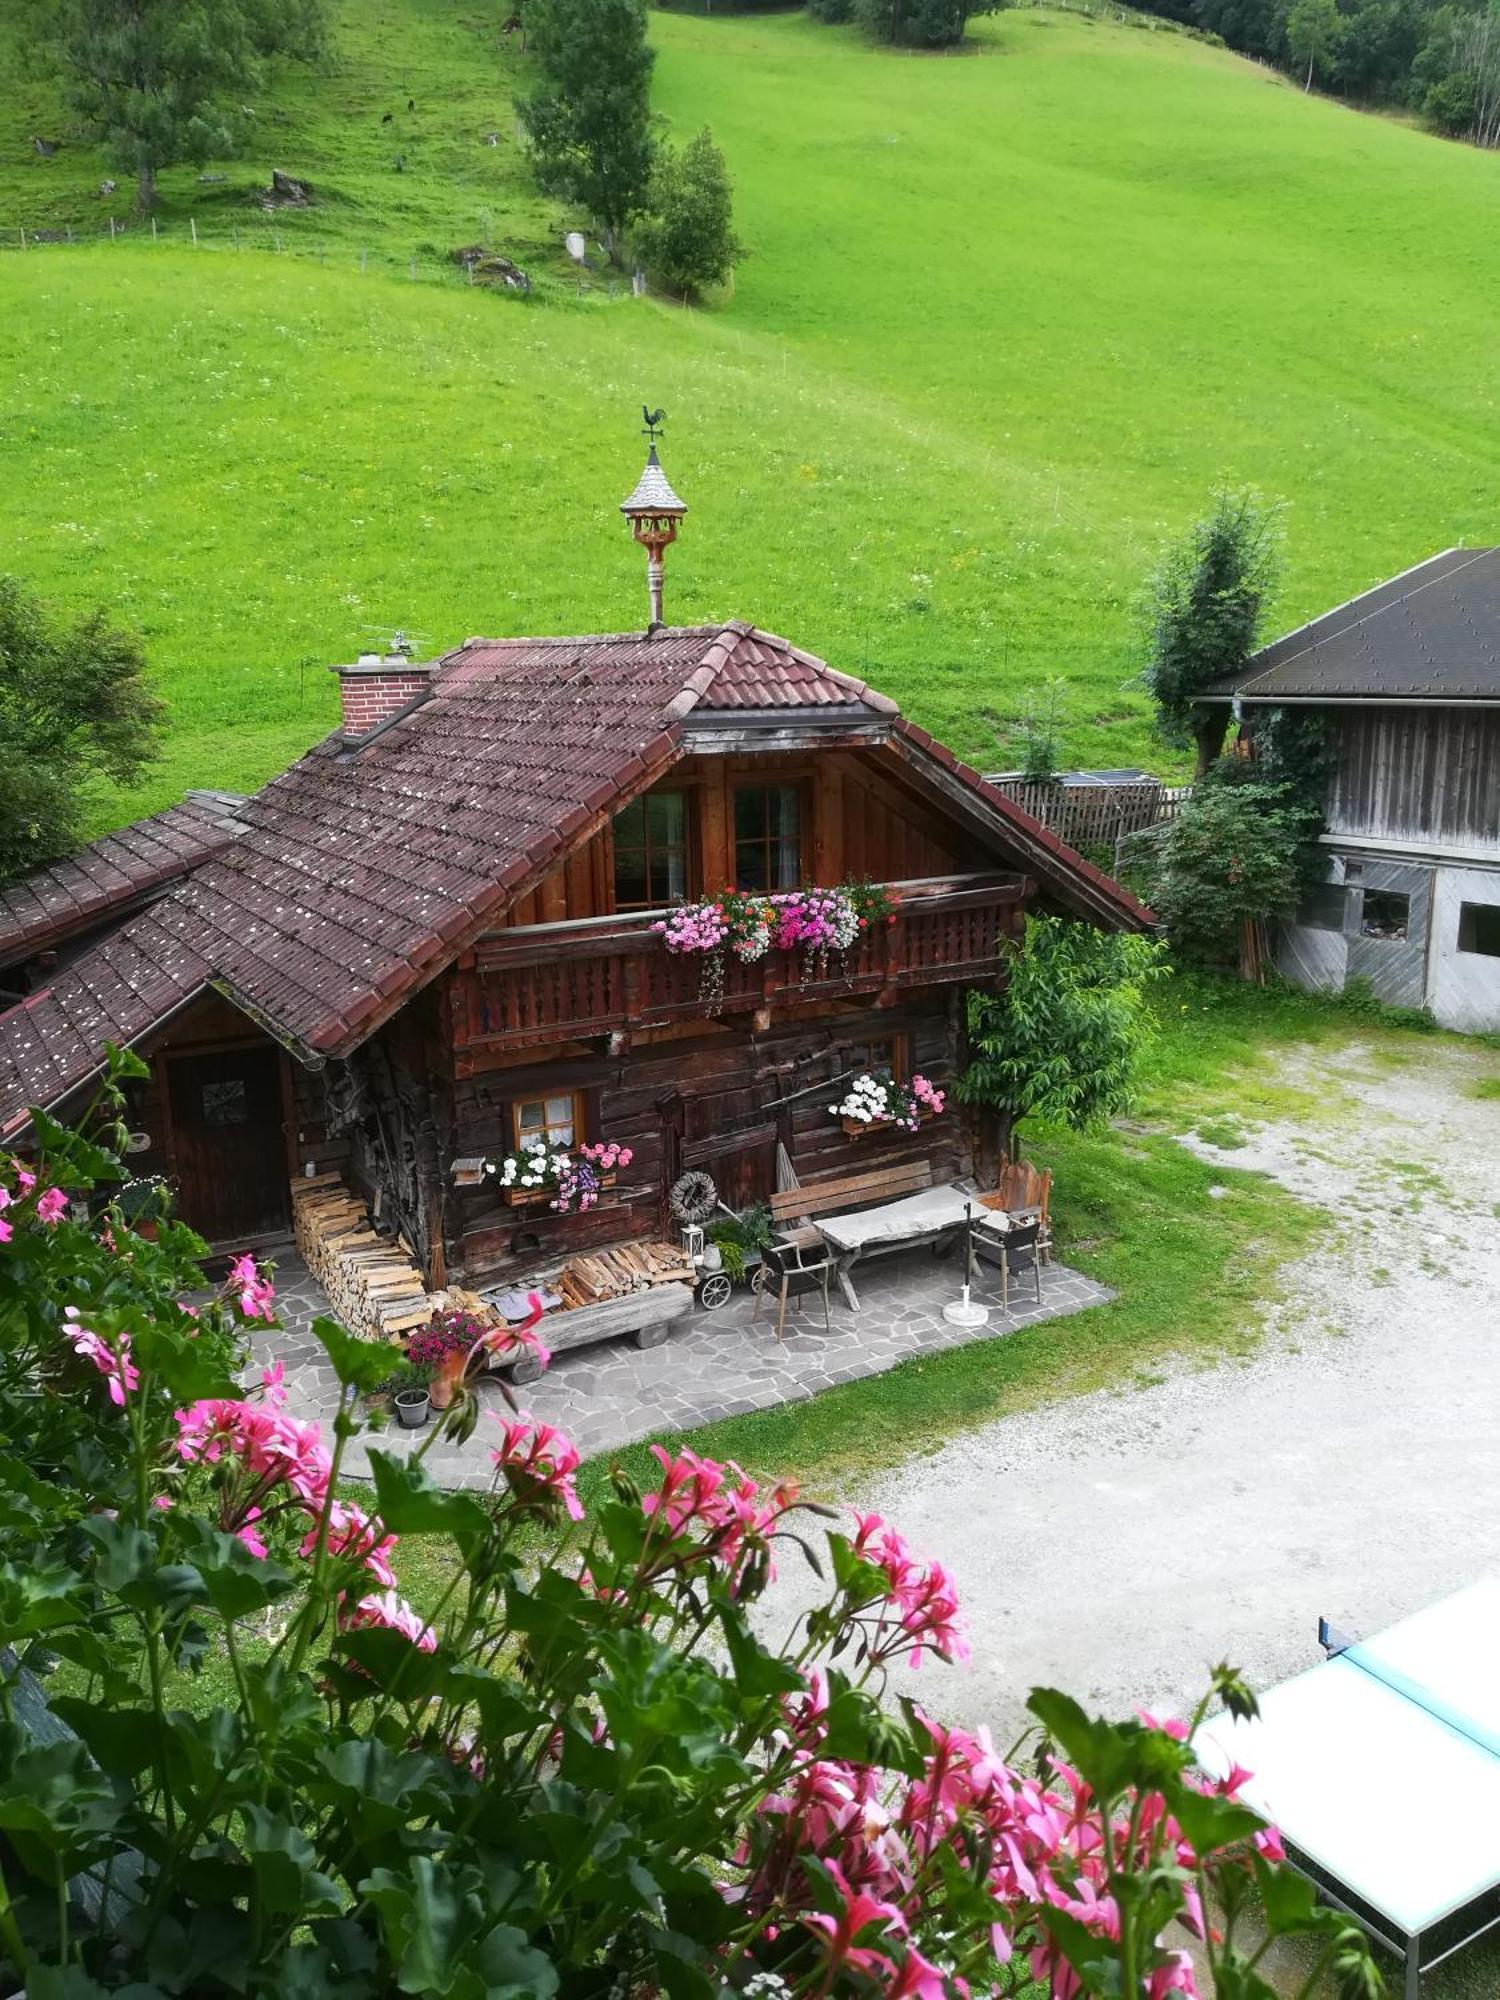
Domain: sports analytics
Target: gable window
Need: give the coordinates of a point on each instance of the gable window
(554, 1122)
(651, 851)
(1479, 928)
(1385, 915)
(767, 837)
(1323, 909)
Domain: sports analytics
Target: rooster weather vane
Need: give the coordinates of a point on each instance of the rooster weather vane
(654, 421)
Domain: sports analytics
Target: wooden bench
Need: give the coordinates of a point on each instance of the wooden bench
(648, 1316)
(857, 1195)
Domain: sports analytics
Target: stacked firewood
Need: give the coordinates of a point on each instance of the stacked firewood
(373, 1284)
(613, 1274)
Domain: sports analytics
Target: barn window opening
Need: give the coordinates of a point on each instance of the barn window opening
(1385, 915)
(651, 852)
(226, 1102)
(1479, 928)
(767, 837)
(1323, 909)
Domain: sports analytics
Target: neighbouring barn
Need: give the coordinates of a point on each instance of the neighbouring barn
(433, 940)
(1407, 678)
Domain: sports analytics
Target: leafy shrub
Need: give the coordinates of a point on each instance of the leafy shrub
(1233, 857)
(1063, 1040)
(578, 1770)
(686, 237)
(919, 24)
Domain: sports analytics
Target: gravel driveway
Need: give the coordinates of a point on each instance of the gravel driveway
(1116, 1545)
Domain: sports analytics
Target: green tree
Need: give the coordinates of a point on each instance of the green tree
(1312, 37)
(1063, 1040)
(159, 81)
(686, 237)
(590, 121)
(74, 707)
(919, 24)
(1204, 607)
(1233, 859)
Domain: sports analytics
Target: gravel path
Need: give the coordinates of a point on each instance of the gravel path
(1116, 1545)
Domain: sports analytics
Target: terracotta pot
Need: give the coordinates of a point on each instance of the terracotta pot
(444, 1385)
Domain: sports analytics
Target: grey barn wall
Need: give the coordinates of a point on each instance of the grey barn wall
(1420, 774)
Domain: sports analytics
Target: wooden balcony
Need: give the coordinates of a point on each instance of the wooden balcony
(545, 983)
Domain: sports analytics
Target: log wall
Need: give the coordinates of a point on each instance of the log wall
(717, 1100)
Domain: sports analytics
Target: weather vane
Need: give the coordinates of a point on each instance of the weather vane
(654, 421)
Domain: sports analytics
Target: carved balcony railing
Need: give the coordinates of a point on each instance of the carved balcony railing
(545, 983)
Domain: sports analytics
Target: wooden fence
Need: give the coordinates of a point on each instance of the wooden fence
(1100, 814)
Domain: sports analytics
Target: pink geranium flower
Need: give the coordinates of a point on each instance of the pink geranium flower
(352, 1533)
(922, 1595)
(50, 1204)
(538, 1462)
(113, 1362)
(393, 1614)
(256, 1293)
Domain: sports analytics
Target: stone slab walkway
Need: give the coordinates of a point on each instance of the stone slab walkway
(613, 1395)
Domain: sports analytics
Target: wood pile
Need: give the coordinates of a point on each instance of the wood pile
(373, 1284)
(613, 1274)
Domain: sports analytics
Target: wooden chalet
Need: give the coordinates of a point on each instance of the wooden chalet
(432, 938)
(1407, 679)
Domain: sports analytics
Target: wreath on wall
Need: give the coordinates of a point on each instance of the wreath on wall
(693, 1198)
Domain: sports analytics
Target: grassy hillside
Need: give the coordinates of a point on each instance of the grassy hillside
(1008, 317)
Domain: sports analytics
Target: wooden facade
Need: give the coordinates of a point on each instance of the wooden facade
(1417, 775)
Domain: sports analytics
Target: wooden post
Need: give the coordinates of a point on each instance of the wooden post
(193, 225)
(715, 835)
(23, 239)
(111, 229)
(153, 229)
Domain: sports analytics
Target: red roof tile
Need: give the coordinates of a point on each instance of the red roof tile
(82, 889)
(360, 872)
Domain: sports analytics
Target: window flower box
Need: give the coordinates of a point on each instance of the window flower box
(566, 1180)
(876, 1103)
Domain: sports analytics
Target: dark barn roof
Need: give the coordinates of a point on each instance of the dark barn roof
(363, 871)
(1430, 634)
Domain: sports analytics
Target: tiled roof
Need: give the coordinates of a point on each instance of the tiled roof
(653, 491)
(358, 874)
(81, 890)
(1430, 634)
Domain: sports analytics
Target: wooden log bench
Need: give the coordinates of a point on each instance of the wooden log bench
(647, 1316)
(888, 1208)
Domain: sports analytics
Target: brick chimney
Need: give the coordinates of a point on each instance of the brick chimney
(377, 687)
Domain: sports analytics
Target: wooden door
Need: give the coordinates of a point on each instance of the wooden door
(229, 1140)
(725, 1134)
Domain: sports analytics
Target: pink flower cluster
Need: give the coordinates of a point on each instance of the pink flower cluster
(256, 1292)
(47, 1206)
(732, 1518)
(537, 1463)
(694, 927)
(607, 1154)
(391, 1613)
(927, 1093)
(815, 920)
(1044, 1846)
(277, 1462)
(920, 1611)
(113, 1362)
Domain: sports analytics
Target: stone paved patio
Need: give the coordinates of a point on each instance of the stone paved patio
(719, 1366)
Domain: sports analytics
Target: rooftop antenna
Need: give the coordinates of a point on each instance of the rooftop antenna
(654, 513)
(401, 642)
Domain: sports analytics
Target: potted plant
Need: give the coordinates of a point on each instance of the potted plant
(439, 1352)
(409, 1397)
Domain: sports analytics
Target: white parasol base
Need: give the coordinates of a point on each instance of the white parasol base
(961, 1312)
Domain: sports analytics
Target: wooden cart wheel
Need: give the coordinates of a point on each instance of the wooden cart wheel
(715, 1291)
(758, 1278)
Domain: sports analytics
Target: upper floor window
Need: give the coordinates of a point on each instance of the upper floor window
(651, 851)
(767, 837)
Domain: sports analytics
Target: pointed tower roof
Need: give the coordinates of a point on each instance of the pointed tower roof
(653, 494)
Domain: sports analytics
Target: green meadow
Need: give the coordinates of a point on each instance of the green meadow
(1007, 318)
